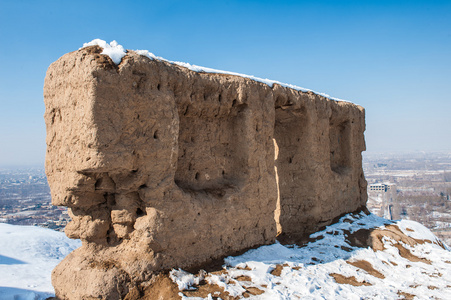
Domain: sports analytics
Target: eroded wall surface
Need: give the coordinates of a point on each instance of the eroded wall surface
(163, 167)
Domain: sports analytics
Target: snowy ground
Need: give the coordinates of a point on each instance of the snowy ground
(411, 263)
(28, 255)
(407, 263)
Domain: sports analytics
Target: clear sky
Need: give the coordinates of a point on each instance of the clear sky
(391, 57)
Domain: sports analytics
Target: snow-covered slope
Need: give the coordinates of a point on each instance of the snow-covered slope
(28, 255)
(360, 257)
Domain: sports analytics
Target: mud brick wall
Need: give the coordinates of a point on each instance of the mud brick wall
(164, 167)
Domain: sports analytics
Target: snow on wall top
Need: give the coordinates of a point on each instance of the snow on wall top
(116, 52)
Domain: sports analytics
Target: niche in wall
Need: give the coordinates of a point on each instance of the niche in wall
(213, 149)
(340, 146)
(291, 134)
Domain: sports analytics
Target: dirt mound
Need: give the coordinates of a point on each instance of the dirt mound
(373, 238)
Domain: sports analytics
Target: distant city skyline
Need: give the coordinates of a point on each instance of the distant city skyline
(391, 57)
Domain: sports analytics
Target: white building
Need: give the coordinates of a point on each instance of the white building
(381, 198)
(381, 187)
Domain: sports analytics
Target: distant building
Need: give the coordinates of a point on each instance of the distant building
(381, 187)
(382, 200)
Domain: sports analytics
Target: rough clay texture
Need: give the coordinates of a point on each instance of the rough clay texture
(162, 167)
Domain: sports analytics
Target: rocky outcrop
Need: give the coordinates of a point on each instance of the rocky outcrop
(164, 167)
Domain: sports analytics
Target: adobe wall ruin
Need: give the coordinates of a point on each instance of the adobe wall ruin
(164, 167)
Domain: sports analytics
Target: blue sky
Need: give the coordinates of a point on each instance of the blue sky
(391, 57)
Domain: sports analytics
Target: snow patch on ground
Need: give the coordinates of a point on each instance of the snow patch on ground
(416, 230)
(116, 52)
(28, 255)
(184, 280)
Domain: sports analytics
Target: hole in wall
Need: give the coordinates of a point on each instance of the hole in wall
(110, 199)
(139, 212)
(98, 184)
(186, 110)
